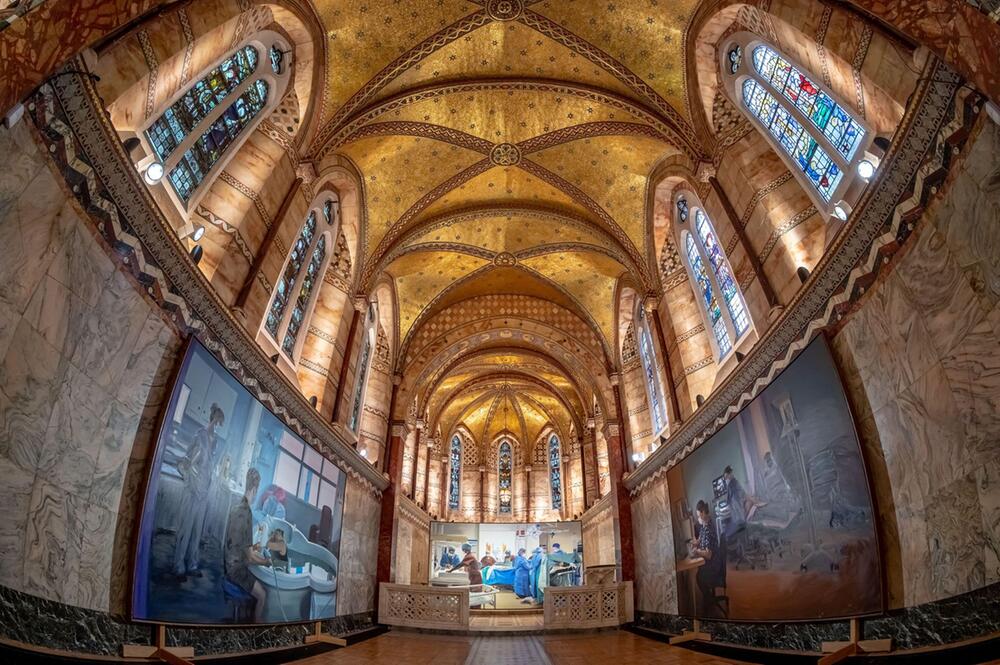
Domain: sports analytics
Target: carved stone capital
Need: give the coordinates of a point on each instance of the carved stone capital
(361, 303)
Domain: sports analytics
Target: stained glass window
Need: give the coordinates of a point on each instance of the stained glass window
(735, 57)
(710, 302)
(169, 130)
(276, 57)
(359, 392)
(810, 157)
(505, 464)
(305, 291)
(682, 210)
(843, 132)
(555, 477)
(288, 279)
(652, 385)
(199, 159)
(723, 275)
(455, 479)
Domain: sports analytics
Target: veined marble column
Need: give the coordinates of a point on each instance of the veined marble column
(383, 569)
(623, 504)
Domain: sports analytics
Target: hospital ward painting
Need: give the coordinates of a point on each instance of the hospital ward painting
(242, 519)
(772, 516)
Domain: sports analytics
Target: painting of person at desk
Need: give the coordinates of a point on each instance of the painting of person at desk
(783, 525)
(242, 519)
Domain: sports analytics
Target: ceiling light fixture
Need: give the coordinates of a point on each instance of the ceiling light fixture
(153, 173)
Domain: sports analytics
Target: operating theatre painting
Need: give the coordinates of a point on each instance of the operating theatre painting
(242, 519)
(772, 515)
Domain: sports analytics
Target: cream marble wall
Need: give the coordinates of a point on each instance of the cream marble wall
(922, 362)
(655, 581)
(83, 364)
(600, 538)
(358, 550)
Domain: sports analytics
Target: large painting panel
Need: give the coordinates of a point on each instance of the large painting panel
(242, 519)
(772, 516)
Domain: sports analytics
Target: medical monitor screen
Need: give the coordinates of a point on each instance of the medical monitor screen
(506, 566)
(780, 525)
(242, 519)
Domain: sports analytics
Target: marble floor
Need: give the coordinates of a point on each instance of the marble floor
(618, 647)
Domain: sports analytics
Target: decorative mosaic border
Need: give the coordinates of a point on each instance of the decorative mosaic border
(918, 159)
(71, 122)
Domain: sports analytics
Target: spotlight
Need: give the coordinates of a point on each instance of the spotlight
(199, 233)
(635, 457)
(803, 273)
(196, 253)
(364, 453)
(274, 358)
(699, 399)
(866, 169)
(739, 357)
(840, 212)
(131, 144)
(153, 173)
(314, 401)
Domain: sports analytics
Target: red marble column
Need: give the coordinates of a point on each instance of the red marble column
(416, 460)
(624, 440)
(623, 504)
(426, 504)
(383, 568)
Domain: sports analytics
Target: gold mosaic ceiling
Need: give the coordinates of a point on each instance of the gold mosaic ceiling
(505, 148)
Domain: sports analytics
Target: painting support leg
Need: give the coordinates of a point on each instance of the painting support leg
(319, 636)
(159, 650)
(838, 651)
(691, 635)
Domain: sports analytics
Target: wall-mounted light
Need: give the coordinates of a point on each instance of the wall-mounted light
(153, 173)
(196, 253)
(866, 168)
(199, 233)
(802, 273)
(699, 399)
(840, 212)
(314, 401)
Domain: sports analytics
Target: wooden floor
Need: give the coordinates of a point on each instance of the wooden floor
(616, 647)
(499, 621)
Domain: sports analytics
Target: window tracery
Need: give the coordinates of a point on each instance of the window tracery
(650, 371)
(818, 136)
(192, 137)
(713, 276)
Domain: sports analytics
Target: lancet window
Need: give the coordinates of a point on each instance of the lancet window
(505, 464)
(555, 472)
(194, 135)
(820, 138)
(455, 472)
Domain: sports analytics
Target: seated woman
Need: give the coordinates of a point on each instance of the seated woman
(713, 573)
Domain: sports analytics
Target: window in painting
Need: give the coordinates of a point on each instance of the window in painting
(505, 463)
(555, 475)
(455, 477)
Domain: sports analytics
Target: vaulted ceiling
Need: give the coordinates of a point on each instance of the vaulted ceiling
(505, 148)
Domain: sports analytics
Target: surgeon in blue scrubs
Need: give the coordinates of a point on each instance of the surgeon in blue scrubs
(522, 577)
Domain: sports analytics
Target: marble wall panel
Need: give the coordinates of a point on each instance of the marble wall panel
(358, 550)
(656, 585)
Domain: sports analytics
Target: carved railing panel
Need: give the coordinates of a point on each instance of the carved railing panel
(416, 606)
(596, 606)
